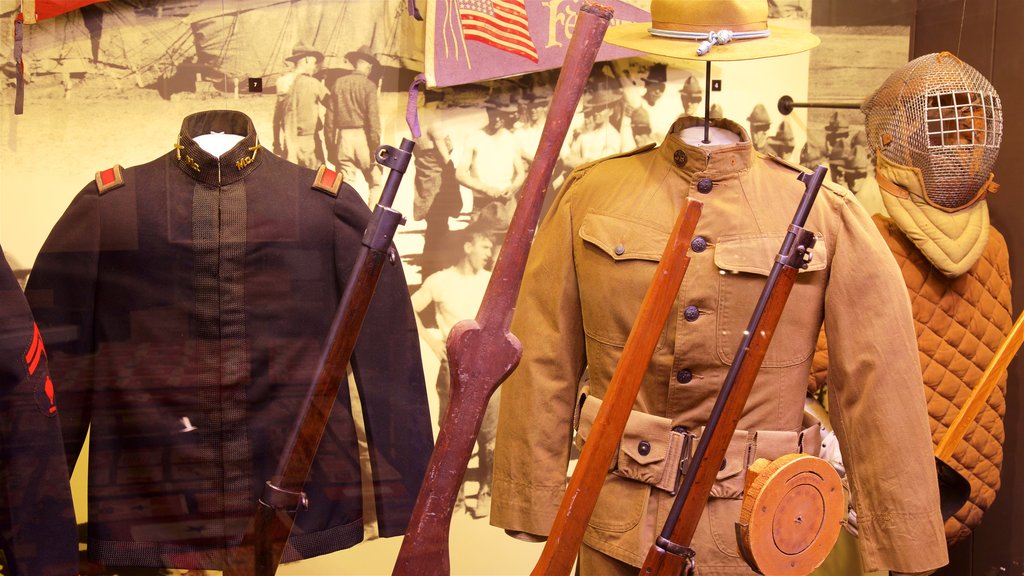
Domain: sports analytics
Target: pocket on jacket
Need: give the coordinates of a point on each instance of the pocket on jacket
(730, 480)
(615, 267)
(620, 505)
(726, 497)
(744, 263)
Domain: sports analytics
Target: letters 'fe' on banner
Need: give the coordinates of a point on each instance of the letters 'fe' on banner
(475, 40)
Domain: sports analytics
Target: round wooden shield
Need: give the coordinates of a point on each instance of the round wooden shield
(791, 516)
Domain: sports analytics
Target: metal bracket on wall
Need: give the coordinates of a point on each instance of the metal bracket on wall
(786, 105)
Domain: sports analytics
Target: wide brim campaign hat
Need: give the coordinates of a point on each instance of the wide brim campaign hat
(600, 99)
(302, 50)
(501, 103)
(678, 27)
(363, 53)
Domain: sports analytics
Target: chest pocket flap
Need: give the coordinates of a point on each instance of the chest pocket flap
(756, 254)
(616, 261)
(624, 239)
(745, 261)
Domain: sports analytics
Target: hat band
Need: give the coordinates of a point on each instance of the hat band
(710, 38)
(668, 27)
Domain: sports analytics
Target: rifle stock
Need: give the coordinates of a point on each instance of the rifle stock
(585, 484)
(670, 554)
(264, 541)
(482, 352)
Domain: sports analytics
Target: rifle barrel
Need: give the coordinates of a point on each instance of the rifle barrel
(670, 553)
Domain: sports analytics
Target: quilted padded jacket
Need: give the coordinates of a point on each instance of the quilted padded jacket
(960, 322)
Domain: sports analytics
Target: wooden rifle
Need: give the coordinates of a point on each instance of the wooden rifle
(671, 553)
(265, 539)
(482, 352)
(954, 488)
(580, 497)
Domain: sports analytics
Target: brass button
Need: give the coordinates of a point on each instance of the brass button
(680, 158)
(704, 185)
(644, 448)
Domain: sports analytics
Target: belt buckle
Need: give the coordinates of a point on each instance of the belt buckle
(684, 459)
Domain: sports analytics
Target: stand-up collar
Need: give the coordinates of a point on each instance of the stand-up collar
(712, 159)
(233, 165)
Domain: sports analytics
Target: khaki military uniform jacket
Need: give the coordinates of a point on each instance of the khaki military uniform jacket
(590, 267)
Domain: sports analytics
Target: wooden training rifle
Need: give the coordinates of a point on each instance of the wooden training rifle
(264, 541)
(482, 352)
(954, 488)
(580, 497)
(671, 553)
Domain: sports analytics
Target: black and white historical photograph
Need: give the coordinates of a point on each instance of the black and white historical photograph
(268, 116)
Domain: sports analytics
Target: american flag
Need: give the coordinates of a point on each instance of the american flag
(502, 24)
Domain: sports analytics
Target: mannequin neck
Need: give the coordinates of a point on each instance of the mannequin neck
(217, 143)
(694, 136)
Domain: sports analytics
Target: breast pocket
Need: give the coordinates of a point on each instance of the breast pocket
(615, 267)
(744, 263)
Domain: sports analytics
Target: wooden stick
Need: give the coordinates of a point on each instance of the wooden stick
(580, 497)
(482, 352)
(980, 393)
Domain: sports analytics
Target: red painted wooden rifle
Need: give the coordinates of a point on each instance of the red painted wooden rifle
(482, 352)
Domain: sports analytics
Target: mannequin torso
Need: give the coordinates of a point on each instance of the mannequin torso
(694, 135)
(217, 143)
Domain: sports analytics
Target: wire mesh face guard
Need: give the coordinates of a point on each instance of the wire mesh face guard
(942, 117)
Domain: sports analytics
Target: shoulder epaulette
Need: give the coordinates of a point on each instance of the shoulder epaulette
(788, 164)
(109, 179)
(828, 184)
(327, 180)
(639, 150)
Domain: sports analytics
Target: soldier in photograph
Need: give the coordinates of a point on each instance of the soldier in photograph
(530, 124)
(760, 123)
(812, 153)
(639, 116)
(492, 166)
(781, 143)
(691, 95)
(353, 122)
(437, 189)
(456, 293)
(599, 137)
(297, 114)
(858, 164)
(838, 152)
(837, 129)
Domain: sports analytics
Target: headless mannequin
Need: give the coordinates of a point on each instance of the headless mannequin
(217, 143)
(694, 136)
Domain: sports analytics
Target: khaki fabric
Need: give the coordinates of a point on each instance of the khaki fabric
(952, 242)
(960, 323)
(589, 269)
